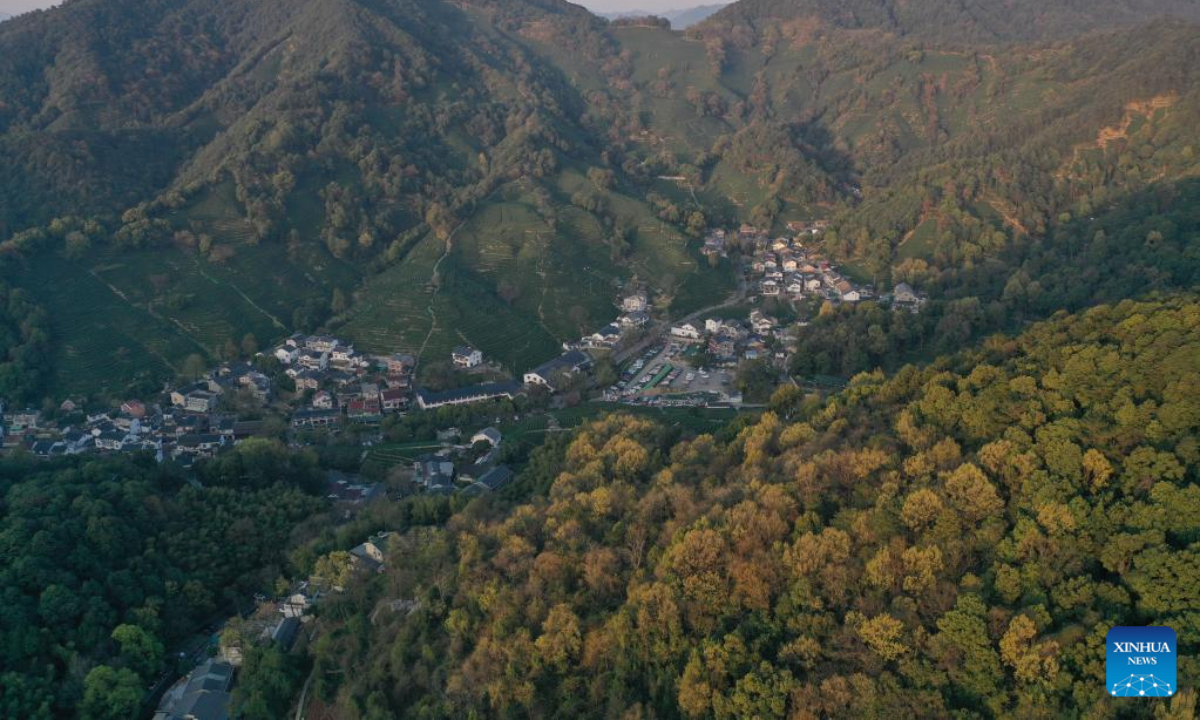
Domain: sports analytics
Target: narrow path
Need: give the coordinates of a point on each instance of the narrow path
(274, 320)
(435, 279)
(304, 694)
(117, 291)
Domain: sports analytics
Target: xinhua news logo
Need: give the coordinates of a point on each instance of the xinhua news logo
(1141, 662)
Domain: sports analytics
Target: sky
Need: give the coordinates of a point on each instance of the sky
(14, 7)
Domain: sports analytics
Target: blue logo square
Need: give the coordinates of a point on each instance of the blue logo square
(1140, 662)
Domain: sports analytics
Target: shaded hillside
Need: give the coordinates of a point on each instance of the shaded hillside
(954, 22)
(952, 540)
(316, 143)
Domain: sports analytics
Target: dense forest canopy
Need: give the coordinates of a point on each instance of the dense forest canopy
(951, 541)
(109, 563)
(1009, 472)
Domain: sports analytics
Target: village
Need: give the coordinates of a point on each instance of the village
(309, 386)
(308, 389)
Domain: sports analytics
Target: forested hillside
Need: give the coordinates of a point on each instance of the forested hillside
(950, 21)
(416, 175)
(954, 540)
(108, 564)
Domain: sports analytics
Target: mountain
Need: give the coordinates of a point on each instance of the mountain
(416, 175)
(948, 21)
(953, 539)
(680, 18)
(684, 18)
(326, 145)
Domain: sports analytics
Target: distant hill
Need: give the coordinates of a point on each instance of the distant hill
(951, 21)
(681, 18)
(4, 16)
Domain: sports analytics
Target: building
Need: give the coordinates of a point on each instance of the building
(637, 302)
(394, 400)
(373, 554)
(904, 294)
(315, 418)
(429, 399)
(364, 409)
(634, 319)
(489, 435)
(202, 695)
(606, 336)
(569, 363)
(432, 472)
(342, 488)
(285, 632)
(299, 602)
(465, 356)
(321, 343)
(133, 408)
(494, 479)
(686, 331)
(400, 364)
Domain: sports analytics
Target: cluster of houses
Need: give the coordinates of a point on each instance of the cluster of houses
(187, 424)
(635, 314)
(785, 267)
(343, 381)
(729, 341)
(471, 467)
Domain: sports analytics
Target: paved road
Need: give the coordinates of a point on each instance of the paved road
(659, 329)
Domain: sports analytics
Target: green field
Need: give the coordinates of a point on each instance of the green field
(516, 286)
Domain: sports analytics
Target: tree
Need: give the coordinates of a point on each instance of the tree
(334, 568)
(110, 694)
(140, 651)
(338, 304)
(267, 681)
(249, 345)
(882, 634)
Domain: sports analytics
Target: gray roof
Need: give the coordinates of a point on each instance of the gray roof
(205, 696)
(492, 434)
(430, 397)
(568, 361)
(496, 478)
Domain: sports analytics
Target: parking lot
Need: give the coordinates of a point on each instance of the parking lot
(664, 375)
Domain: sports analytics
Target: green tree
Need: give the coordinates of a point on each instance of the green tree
(111, 694)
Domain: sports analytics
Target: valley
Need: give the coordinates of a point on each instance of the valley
(493, 358)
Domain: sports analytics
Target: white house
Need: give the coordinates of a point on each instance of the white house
(686, 331)
(569, 363)
(606, 336)
(465, 356)
(287, 354)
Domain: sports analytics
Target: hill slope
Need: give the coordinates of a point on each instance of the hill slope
(955, 539)
(950, 21)
(212, 172)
